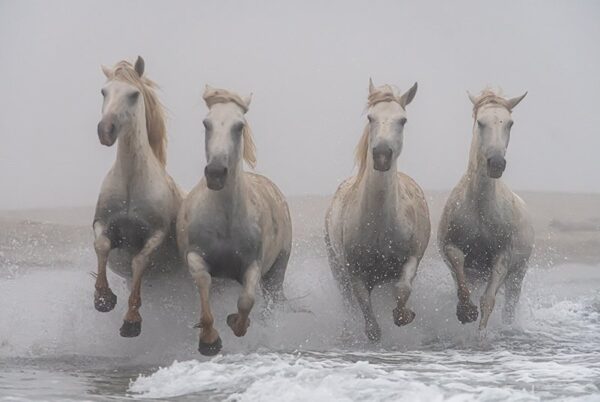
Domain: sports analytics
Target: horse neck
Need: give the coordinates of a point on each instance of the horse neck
(480, 187)
(134, 153)
(378, 191)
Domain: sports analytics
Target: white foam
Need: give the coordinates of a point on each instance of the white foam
(287, 377)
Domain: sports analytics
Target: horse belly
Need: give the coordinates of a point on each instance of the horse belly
(128, 235)
(227, 256)
(480, 248)
(376, 265)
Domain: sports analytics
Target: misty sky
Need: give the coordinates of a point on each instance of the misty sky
(308, 65)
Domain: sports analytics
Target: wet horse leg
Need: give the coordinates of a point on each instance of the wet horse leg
(488, 299)
(132, 323)
(403, 288)
(239, 322)
(210, 343)
(363, 296)
(104, 299)
(513, 284)
(466, 311)
(273, 280)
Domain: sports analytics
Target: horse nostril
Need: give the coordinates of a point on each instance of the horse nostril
(497, 163)
(105, 127)
(382, 157)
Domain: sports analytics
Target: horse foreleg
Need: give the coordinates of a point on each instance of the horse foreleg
(403, 288)
(104, 299)
(132, 323)
(488, 299)
(239, 321)
(210, 343)
(466, 311)
(363, 296)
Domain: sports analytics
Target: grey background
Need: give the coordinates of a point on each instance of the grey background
(308, 64)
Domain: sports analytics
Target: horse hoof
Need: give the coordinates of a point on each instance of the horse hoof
(466, 313)
(238, 330)
(373, 333)
(403, 317)
(131, 329)
(210, 349)
(105, 300)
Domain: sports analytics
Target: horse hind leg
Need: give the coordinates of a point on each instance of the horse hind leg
(272, 282)
(513, 284)
(210, 342)
(104, 299)
(466, 311)
(488, 299)
(363, 296)
(132, 323)
(403, 289)
(240, 321)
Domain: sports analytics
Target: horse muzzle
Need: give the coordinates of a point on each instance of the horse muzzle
(107, 132)
(216, 176)
(496, 166)
(382, 158)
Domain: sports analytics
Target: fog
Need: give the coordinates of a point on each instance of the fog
(307, 64)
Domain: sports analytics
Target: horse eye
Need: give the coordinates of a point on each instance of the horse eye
(133, 97)
(207, 124)
(237, 127)
(402, 121)
(510, 124)
(103, 92)
(370, 118)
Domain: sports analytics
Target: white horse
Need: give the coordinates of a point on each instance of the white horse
(138, 203)
(233, 224)
(485, 232)
(377, 227)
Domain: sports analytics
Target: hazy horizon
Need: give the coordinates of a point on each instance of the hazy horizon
(307, 65)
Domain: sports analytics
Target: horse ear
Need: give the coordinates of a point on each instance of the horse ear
(371, 86)
(106, 71)
(139, 66)
(247, 100)
(472, 98)
(515, 101)
(408, 95)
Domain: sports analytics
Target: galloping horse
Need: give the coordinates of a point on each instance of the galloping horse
(233, 224)
(485, 232)
(134, 224)
(377, 227)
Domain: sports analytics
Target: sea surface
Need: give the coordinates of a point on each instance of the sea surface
(54, 346)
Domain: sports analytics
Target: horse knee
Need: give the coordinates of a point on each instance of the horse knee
(102, 245)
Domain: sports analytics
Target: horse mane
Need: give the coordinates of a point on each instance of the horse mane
(155, 112)
(213, 96)
(490, 96)
(384, 93)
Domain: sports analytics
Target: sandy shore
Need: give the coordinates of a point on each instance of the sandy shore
(566, 226)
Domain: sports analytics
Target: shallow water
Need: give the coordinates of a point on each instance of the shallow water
(55, 346)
